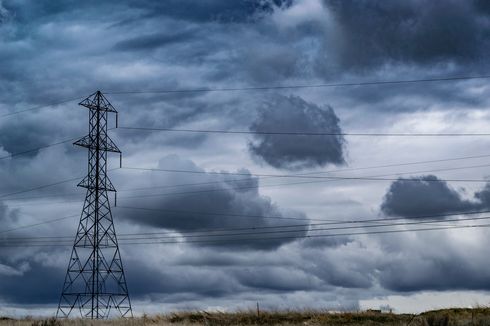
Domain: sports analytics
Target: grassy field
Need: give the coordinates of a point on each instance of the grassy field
(446, 317)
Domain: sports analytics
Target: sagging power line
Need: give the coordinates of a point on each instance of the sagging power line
(278, 87)
(254, 231)
(304, 133)
(298, 175)
(259, 88)
(247, 180)
(35, 108)
(244, 241)
(229, 214)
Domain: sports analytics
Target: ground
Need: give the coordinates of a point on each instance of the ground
(446, 317)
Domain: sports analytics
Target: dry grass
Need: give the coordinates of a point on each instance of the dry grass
(446, 317)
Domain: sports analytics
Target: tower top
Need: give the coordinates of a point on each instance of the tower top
(97, 101)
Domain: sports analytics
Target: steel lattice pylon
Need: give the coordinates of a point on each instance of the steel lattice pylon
(95, 283)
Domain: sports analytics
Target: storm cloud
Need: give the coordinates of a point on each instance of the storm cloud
(51, 51)
(293, 152)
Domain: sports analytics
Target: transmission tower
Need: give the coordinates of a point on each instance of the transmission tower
(95, 283)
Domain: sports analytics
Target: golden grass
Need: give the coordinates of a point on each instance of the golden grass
(444, 317)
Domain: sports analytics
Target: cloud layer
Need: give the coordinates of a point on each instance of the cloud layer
(51, 51)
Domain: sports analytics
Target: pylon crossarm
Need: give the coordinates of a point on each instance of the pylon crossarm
(97, 101)
(106, 145)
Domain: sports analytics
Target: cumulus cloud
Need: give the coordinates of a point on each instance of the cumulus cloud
(428, 195)
(218, 201)
(294, 152)
(422, 195)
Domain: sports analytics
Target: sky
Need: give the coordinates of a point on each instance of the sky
(63, 51)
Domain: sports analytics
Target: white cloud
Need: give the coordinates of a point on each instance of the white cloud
(302, 11)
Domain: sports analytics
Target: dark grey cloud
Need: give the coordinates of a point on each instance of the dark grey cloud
(146, 281)
(153, 41)
(209, 10)
(27, 133)
(220, 201)
(294, 152)
(445, 267)
(376, 33)
(350, 267)
(482, 6)
(333, 274)
(19, 282)
(434, 275)
(428, 195)
(325, 242)
(20, 268)
(277, 278)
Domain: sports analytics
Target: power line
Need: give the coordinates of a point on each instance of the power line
(272, 87)
(384, 82)
(431, 220)
(148, 236)
(296, 174)
(47, 203)
(37, 188)
(264, 186)
(294, 183)
(313, 235)
(330, 221)
(325, 221)
(60, 244)
(301, 176)
(32, 150)
(37, 224)
(305, 133)
(339, 170)
(37, 149)
(322, 179)
(40, 107)
(72, 139)
(42, 187)
(329, 179)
